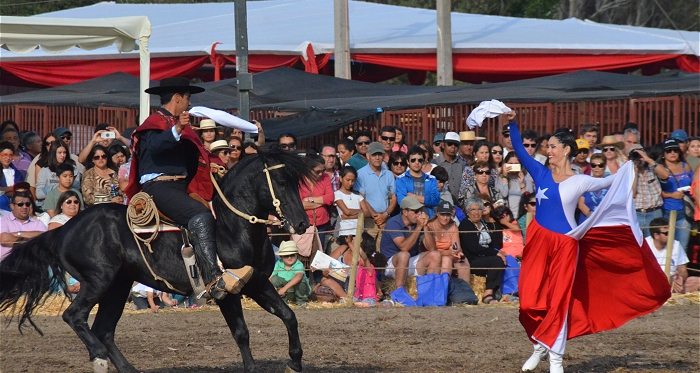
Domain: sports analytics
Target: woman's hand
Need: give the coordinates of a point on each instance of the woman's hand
(676, 195)
(502, 255)
(119, 200)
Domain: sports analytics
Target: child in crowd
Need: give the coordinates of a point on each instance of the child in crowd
(512, 238)
(348, 202)
(442, 176)
(65, 173)
(288, 276)
(368, 290)
(145, 297)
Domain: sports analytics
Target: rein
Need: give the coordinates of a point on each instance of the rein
(252, 219)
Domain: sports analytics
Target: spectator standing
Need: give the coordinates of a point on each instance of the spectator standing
(97, 139)
(236, 145)
(10, 174)
(387, 137)
(207, 132)
(401, 244)
(612, 150)
(118, 154)
(288, 275)
(658, 242)
(527, 204)
(361, 158)
(590, 200)
(19, 225)
(221, 149)
(398, 162)
(496, 156)
(630, 137)
(692, 156)
(331, 165)
(466, 146)
(346, 150)
(400, 141)
(377, 186)
(580, 163)
(63, 134)
(590, 132)
(506, 142)
(438, 144)
(516, 182)
(39, 162)
(647, 188)
(481, 244)
(100, 182)
(348, 202)
(317, 196)
(482, 172)
(680, 175)
(66, 176)
(287, 141)
(452, 163)
(31, 142)
(428, 153)
(260, 141)
(415, 183)
(530, 138)
(47, 179)
(20, 159)
(682, 137)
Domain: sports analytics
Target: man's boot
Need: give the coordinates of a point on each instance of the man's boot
(203, 236)
(534, 360)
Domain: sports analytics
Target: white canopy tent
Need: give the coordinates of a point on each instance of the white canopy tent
(23, 35)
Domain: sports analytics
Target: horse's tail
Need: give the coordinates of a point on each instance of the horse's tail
(29, 274)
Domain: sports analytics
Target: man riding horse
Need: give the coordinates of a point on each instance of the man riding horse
(172, 166)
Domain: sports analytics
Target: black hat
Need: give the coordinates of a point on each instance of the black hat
(671, 144)
(60, 131)
(506, 128)
(444, 207)
(171, 85)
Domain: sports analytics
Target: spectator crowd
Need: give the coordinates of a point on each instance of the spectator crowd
(458, 205)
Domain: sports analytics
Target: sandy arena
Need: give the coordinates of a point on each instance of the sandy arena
(451, 339)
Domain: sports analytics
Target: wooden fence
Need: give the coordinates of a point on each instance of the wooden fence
(657, 117)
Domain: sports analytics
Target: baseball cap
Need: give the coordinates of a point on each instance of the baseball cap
(375, 147)
(671, 144)
(60, 131)
(411, 203)
(444, 207)
(582, 144)
(452, 136)
(506, 128)
(439, 137)
(679, 135)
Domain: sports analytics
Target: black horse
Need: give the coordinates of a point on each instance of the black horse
(98, 248)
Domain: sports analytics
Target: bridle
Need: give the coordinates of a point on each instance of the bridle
(252, 219)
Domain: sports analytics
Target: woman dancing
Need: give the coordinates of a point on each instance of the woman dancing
(581, 280)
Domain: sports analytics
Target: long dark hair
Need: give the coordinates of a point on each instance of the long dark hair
(45, 147)
(63, 198)
(52, 160)
(90, 163)
(524, 200)
(368, 245)
(115, 149)
(491, 161)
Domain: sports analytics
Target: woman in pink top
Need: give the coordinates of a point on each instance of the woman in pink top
(317, 195)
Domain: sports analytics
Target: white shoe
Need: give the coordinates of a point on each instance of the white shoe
(534, 360)
(556, 363)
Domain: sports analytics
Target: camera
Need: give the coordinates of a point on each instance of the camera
(108, 135)
(634, 155)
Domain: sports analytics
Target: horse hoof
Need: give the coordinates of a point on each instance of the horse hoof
(100, 366)
(288, 369)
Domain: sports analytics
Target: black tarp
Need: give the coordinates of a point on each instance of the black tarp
(324, 103)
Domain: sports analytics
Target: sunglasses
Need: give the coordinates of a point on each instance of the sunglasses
(291, 145)
(414, 160)
(505, 134)
(448, 214)
(288, 256)
(533, 203)
(23, 204)
(482, 172)
(597, 165)
(363, 142)
(664, 233)
(451, 143)
(387, 138)
(672, 150)
(417, 211)
(66, 137)
(225, 152)
(609, 149)
(98, 157)
(399, 164)
(437, 143)
(496, 151)
(585, 151)
(236, 147)
(71, 201)
(529, 145)
(487, 204)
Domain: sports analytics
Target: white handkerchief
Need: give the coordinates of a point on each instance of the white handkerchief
(223, 118)
(487, 109)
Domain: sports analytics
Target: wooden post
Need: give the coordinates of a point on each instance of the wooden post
(355, 258)
(342, 39)
(669, 244)
(244, 79)
(444, 42)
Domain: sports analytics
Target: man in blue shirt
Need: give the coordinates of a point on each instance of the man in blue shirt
(401, 244)
(376, 184)
(414, 182)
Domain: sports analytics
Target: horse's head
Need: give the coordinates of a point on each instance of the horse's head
(271, 183)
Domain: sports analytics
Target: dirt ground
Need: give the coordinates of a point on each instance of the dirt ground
(451, 339)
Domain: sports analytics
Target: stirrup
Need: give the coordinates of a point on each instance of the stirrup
(231, 281)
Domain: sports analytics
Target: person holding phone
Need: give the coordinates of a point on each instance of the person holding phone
(514, 182)
(104, 135)
(165, 164)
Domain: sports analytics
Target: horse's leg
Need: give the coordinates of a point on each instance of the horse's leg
(108, 315)
(233, 313)
(262, 291)
(76, 316)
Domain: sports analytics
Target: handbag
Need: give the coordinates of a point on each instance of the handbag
(460, 292)
(510, 276)
(432, 289)
(309, 240)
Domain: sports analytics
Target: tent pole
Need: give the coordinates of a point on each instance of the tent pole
(244, 79)
(444, 42)
(342, 39)
(144, 79)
